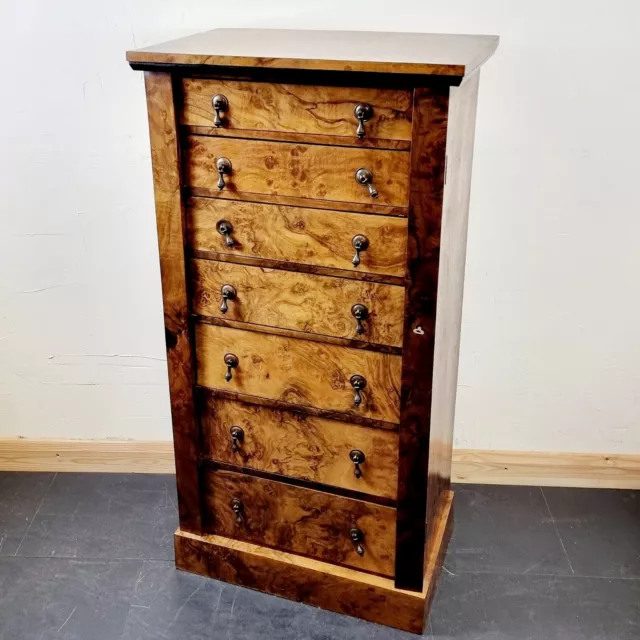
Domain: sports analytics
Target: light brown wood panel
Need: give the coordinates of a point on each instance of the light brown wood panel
(171, 241)
(301, 446)
(297, 108)
(301, 235)
(367, 51)
(302, 372)
(298, 170)
(299, 301)
(305, 521)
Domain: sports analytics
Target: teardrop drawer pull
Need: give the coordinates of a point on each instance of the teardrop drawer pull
(359, 243)
(231, 361)
(357, 537)
(220, 105)
(365, 177)
(227, 292)
(238, 508)
(358, 458)
(237, 438)
(360, 313)
(223, 165)
(363, 112)
(358, 383)
(225, 228)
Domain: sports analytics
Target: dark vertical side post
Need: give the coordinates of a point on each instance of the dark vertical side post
(170, 220)
(428, 148)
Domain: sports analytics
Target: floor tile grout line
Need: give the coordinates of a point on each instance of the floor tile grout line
(35, 515)
(568, 576)
(555, 526)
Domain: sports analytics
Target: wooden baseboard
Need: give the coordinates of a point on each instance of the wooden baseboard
(318, 583)
(614, 471)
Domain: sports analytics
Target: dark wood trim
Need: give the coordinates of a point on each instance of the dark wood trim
(290, 333)
(171, 227)
(308, 203)
(312, 411)
(266, 263)
(317, 583)
(405, 81)
(428, 147)
(303, 138)
(297, 482)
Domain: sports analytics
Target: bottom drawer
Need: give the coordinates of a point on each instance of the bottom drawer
(300, 520)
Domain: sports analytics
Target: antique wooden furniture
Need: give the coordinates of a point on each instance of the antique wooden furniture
(312, 191)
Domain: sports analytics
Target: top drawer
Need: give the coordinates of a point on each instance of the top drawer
(261, 106)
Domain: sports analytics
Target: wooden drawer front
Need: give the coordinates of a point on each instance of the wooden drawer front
(297, 234)
(301, 520)
(299, 371)
(299, 301)
(261, 106)
(301, 446)
(298, 170)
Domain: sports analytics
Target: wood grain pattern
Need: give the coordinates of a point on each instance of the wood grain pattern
(302, 446)
(460, 140)
(299, 235)
(318, 583)
(423, 262)
(264, 106)
(352, 51)
(300, 520)
(299, 371)
(289, 201)
(298, 170)
(171, 242)
(298, 301)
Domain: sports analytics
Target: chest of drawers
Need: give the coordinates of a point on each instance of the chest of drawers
(312, 194)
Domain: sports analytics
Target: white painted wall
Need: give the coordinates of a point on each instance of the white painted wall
(551, 335)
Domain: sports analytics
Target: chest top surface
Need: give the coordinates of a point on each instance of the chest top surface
(363, 51)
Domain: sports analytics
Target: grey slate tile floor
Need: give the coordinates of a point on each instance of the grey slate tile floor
(89, 557)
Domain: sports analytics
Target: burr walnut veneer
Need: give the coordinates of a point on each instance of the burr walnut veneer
(312, 194)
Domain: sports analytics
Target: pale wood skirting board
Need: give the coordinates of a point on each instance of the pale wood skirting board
(469, 465)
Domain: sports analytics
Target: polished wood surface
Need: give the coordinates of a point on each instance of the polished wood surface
(171, 241)
(360, 51)
(318, 583)
(304, 521)
(298, 170)
(299, 235)
(265, 106)
(302, 446)
(299, 301)
(299, 371)
(423, 262)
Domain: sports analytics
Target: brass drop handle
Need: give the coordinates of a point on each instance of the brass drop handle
(360, 313)
(237, 438)
(227, 292)
(224, 168)
(358, 383)
(365, 177)
(231, 361)
(225, 228)
(359, 243)
(363, 112)
(220, 105)
(357, 537)
(238, 508)
(358, 458)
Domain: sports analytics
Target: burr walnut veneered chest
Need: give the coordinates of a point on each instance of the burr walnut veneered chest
(312, 192)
